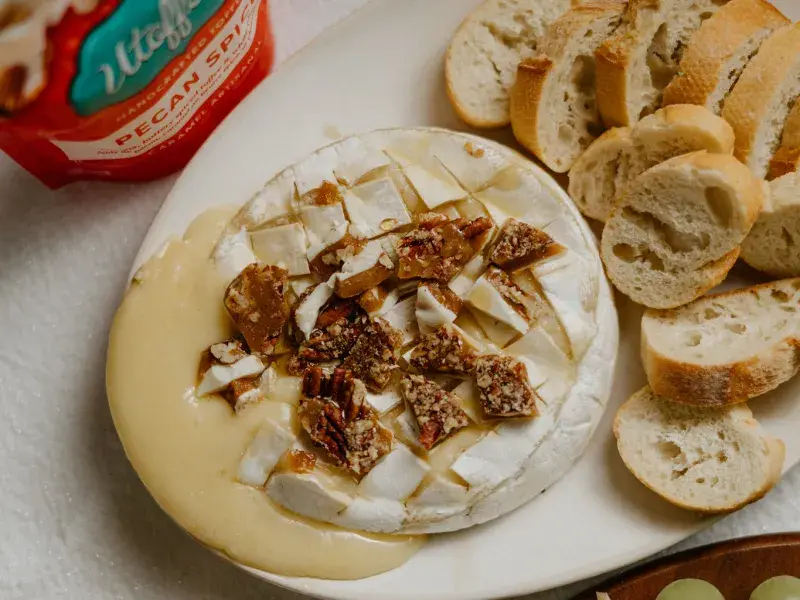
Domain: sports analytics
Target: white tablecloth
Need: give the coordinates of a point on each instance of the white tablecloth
(75, 522)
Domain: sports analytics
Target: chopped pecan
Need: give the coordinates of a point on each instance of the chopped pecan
(520, 245)
(334, 412)
(374, 355)
(257, 304)
(444, 295)
(299, 461)
(438, 412)
(439, 248)
(330, 260)
(444, 350)
(504, 387)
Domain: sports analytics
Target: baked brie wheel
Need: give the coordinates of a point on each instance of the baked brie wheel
(431, 311)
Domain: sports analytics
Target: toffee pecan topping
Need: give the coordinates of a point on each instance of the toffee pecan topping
(444, 350)
(520, 245)
(257, 304)
(334, 412)
(504, 387)
(437, 411)
(374, 355)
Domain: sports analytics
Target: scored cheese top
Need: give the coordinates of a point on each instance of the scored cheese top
(554, 316)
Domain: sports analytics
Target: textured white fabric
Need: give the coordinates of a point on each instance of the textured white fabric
(75, 520)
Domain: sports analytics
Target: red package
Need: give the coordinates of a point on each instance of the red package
(123, 89)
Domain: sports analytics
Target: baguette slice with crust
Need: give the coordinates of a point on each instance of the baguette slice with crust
(710, 460)
(773, 244)
(720, 50)
(762, 99)
(620, 155)
(481, 61)
(676, 232)
(787, 158)
(553, 109)
(635, 65)
(724, 348)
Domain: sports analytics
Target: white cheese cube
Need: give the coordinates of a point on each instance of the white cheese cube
(312, 172)
(462, 283)
(408, 428)
(467, 391)
(492, 460)
(485, 296)
(434, 188)
(387, 304)
(300, 284)
(356, 159)
(378, 515)
(234, 253)
(518, 193)
(375, 207)
(396, 476)
(370, 255)
(218, 377)
(430, 313)
(283, 246)
(263, 453)
(472, 163)
(307, 311)
(496, 331)
(308, 494)
(386, 400)
(441, 497)
(325, 225)
(402, 316)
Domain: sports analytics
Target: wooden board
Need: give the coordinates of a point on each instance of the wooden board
(736, 567)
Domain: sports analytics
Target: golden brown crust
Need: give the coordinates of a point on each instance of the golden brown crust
(612, 64)
(714, 44)
(787, 158)
(751, 98)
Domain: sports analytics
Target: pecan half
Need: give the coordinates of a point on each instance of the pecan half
(334, 413)
(437, 411)
(256, 302)
(504, 387)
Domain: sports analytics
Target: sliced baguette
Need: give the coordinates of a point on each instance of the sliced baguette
(762, 99)
(553, 109)
(701, 459)
(635, 65)
(481, 61)
(724, 348)
(773, 244)
(787, 158)
(617, 157)
(676, 232)
(720, 50)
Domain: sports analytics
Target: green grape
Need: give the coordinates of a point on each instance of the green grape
(690, 589)
(778, 588)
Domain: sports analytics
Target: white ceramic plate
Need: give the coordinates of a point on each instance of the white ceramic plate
(382, 67)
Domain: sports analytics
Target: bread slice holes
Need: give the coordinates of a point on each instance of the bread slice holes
(625, 252)
(694, 339)
(566, 134)
(738, 328)
(722, 458)
(787, 237)
(678, 241)
(721, 435)
(700, 480)
(711, 314)
(719, 205)
(669, 450)
(678, 473)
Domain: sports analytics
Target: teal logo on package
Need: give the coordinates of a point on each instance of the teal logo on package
(124, 53)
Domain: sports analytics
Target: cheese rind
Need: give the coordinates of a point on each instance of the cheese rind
(324, 225)
(308, 495)
(283, 246)
(234, 253)
(402, 316)
(373, 514)
(429, 312)
(434, 189)
(485, 296)
(356, 159)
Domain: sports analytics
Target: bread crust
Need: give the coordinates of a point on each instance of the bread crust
(718, 385)
(787, 158)
(528, 92)
(775, 448)
(750, 101)
(714, 44)
(694, 120)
